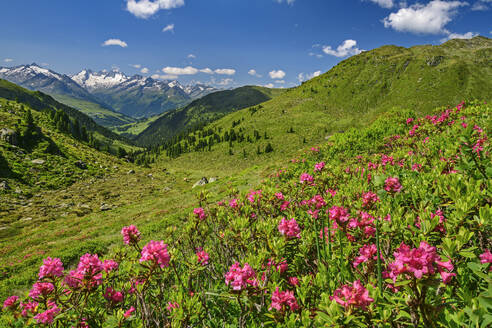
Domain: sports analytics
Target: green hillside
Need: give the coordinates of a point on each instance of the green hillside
(352, 94)
(132, 130)
(101, 115)
(203, 110)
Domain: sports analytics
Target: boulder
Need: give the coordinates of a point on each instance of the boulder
(4, 185)
(212, 179)
(38, 161)
(9, 135)
(203, 181)
(131, 172)
(105, 207)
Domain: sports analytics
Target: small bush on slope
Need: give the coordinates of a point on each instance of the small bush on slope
(387, 226)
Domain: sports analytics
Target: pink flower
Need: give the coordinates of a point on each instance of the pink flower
(446, 276)
(199, 213)
(281, 267)
(306, 178)
(131, 235)
(392, 185)
(41, 289)
(172, 305)
(339, 214)
(319, 166)
(289, 228)
(409, 120)
(51, 268)
(28, 307)
(486, 257)
(11, 302)
(368, 199)
(113, 296)
(279, 196)
(284, 205)
(90, 265)
(233, 203)
(203, 257)
(354, 295)
(293, 281)
(110, 265)
(239, 277)
(282, 300)
(156, 251)
(129, 312)
(367, 253)
(48, 316)
(254, 196)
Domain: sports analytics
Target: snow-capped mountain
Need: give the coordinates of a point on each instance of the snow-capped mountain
(35, 77)
(137, 95)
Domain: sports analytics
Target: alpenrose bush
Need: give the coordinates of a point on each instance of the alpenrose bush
(388, 226)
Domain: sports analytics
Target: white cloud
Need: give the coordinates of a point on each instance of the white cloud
(467, 35)
(289, 2)
(115, 42)
(188, 70)
(164, 77)
(191, 56)
(304, 77)
(137, 66)
(207, 71)
(384, 3)
(348, 47)
(480, 6)
(8, 60)
(168, 28)
(225, 71)
(146, 8)
(144, 70)
(424, 19)
(253, 72)
(280, 81)
(224, 82)
(312, 54)
(277, 74)
(269, 85)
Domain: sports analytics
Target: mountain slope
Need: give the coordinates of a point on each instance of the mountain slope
(203, 110)
(352, 94)
(138, 96)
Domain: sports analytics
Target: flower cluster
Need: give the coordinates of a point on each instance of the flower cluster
(200, 213)
(203, 257)
(289, 228)
(156, 251)
(392, 185)
(239, 278)
(51, 268)
(339, 214)
(353, 295)
(282, 300)
(131, 235)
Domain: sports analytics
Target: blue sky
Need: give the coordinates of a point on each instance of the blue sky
(224, 42)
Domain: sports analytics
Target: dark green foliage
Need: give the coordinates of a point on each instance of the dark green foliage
(268, 148)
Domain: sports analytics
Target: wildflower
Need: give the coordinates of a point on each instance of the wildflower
(281, 267)
(254, 196)
(317, 201)
(203, 257)
(199, 213)
(113, 296)
(280, 300)
(129, 312)
(239, 277)
(306, 178)
(392, 185)
(289, 228)
(284, 205)
(110, 265)
(171, 306)
(367, 253)
(318, 167)
(233, 203)
(354, 295)
(131, 235)
(338, 214)
(48, 316)
(11, 302)
(293, 281)
(90, 265)
(156, 251)
(29, 306)
(486, 257)
(279, 196)
(409, 120)
(369, 198)
(41, 289)
(51, 268)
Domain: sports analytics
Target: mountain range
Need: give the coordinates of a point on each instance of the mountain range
(112, 98)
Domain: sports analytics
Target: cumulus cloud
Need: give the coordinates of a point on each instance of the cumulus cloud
(480, 5)
(467, 35)
(277, 74)
(289, 2)
(144, 70)
(115, 42)
(304, 77)
(269, 85)
(164, 77)
(188, 70)
(347, 48)
(8, 60)
(146, 8)
(384, 3)
(312, 54)
(224, 82)
(424, 19)
(207, 71)
(191, 56)
(137, 66)
(225, 71)
(168, 28)
(253, 72)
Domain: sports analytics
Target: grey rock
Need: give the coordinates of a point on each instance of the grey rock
(9, 135)
(105, 207)
(166, 189)
(38, 161)
(4, 185)
(212, 179)
(26, 219)
(131, 172)
(203, 181)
